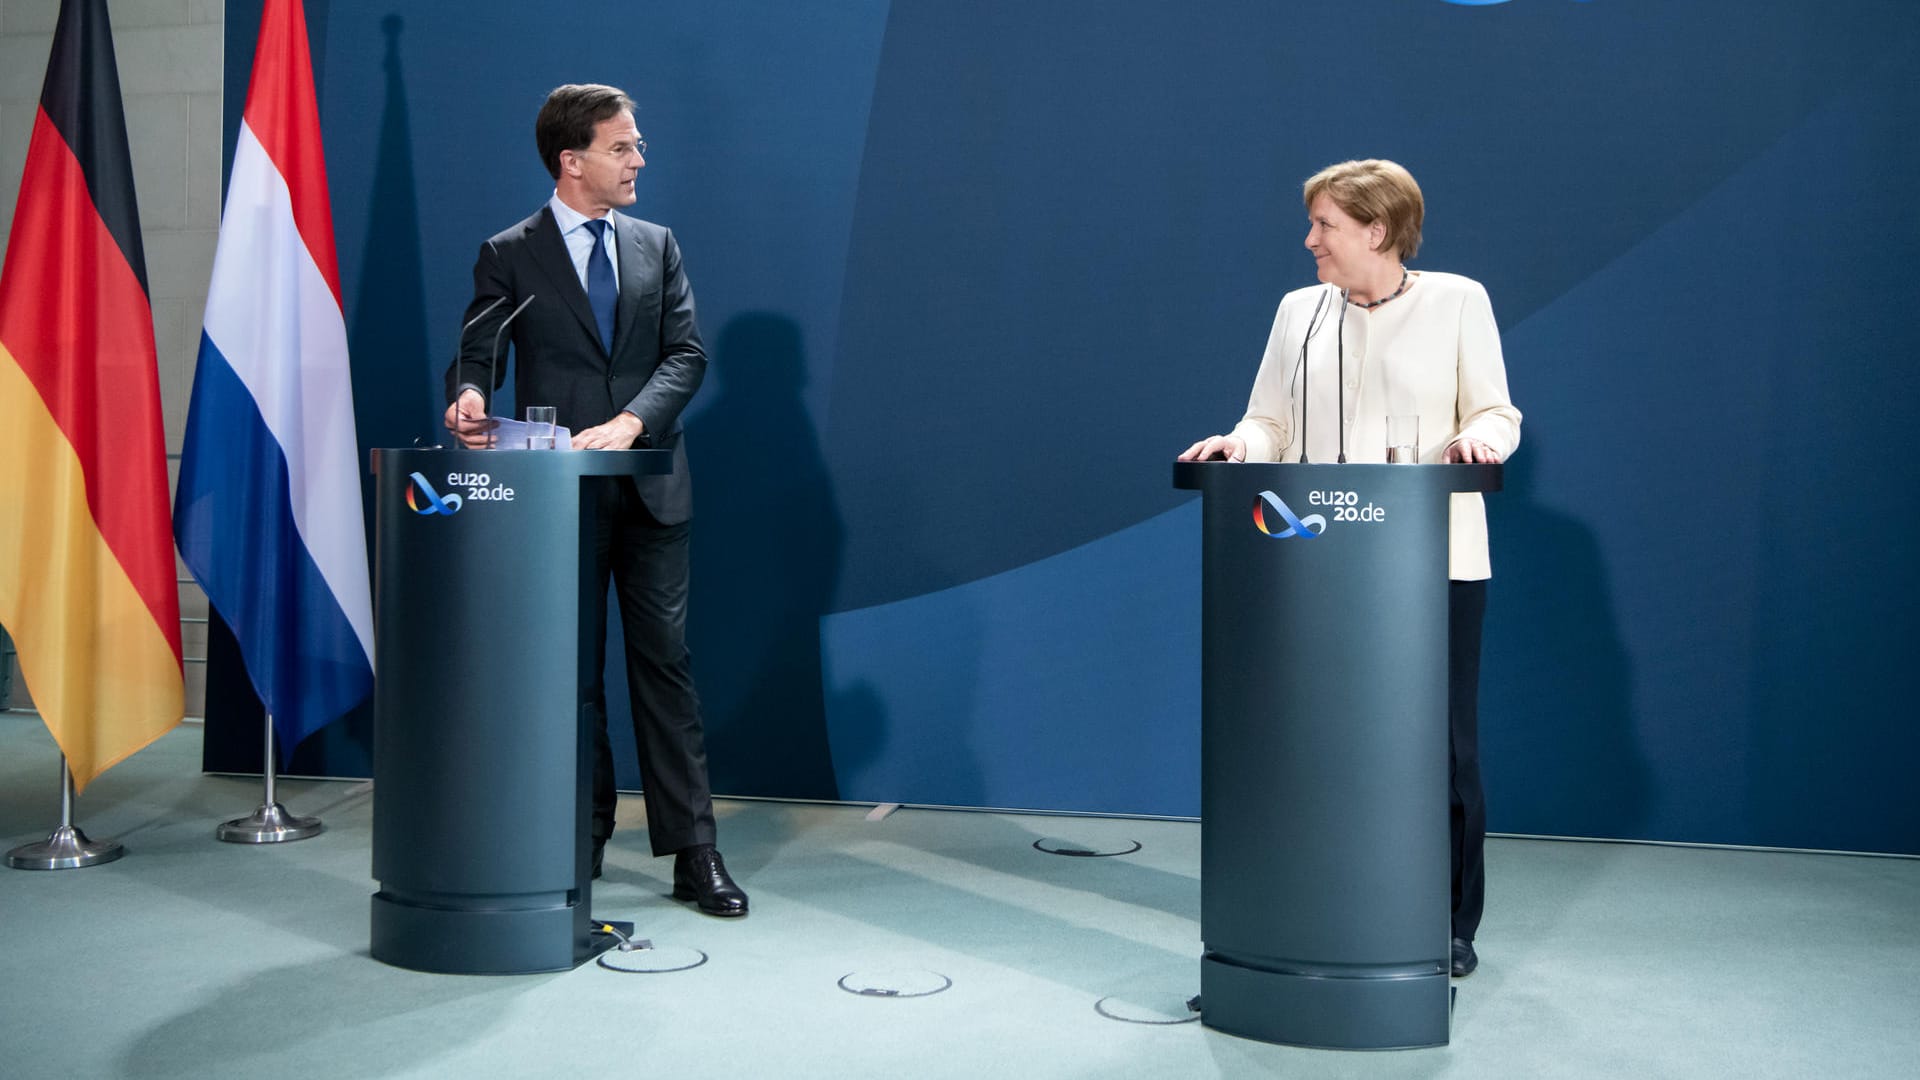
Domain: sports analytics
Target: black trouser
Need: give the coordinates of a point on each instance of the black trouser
(1466, 610)
(648, 565)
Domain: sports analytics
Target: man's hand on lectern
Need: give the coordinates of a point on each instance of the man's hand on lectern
(467, 418)
(618, 433)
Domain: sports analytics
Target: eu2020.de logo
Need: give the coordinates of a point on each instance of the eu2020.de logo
(1271, 515)
(422, 499)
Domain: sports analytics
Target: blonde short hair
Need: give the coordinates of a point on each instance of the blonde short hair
(1374, 190)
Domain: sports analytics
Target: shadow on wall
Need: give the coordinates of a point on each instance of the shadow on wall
(768, 540)
(1557, 725)
(389, 333)
(906, 722)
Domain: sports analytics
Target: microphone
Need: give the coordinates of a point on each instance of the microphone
(459, 342)
(462, 340)
(1340, 337)
(493, 361)
(1313, 327)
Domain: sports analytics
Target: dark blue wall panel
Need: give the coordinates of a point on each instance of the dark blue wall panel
(973, 272)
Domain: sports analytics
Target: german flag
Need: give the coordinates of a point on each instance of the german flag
(87, 580)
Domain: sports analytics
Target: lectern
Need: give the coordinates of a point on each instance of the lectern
(481, 659)
(1324, 868)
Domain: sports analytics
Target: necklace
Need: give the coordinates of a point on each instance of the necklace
(1384, 299)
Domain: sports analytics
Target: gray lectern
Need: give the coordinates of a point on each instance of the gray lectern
(1324, 879)
(480, 818)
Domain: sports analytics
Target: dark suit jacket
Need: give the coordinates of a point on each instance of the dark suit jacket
(657, 362)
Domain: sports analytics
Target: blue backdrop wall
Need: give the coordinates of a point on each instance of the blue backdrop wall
(971, 273)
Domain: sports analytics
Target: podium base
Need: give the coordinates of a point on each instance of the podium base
(524, 940)
(1385, 1008)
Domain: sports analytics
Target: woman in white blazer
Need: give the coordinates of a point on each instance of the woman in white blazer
(1373, 340)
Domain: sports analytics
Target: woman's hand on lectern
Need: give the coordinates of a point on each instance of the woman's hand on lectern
(1217, 448)
(1469, 452)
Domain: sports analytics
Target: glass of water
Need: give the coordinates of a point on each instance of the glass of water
(540, 422)
(1403, 440)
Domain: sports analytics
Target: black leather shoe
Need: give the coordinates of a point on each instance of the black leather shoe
(1464, 958)
(599, 855)
(700, 876)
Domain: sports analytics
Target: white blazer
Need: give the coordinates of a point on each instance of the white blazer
(1434, 352)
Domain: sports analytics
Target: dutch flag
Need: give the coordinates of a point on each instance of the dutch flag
(267, 511)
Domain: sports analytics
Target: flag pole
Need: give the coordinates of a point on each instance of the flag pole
(67, 848)
(269, 823)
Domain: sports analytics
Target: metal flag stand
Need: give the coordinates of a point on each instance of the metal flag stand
(67, 848)
(269, 823)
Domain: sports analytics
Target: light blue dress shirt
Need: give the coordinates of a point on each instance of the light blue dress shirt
(579, 238)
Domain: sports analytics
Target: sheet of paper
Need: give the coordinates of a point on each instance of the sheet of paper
(509, 434)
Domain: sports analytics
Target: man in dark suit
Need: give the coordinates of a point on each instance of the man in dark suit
(611, 343)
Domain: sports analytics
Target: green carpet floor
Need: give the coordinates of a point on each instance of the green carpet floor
(194, 958)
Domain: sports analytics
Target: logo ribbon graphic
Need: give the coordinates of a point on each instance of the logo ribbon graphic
(437, 503)
(1305, 528)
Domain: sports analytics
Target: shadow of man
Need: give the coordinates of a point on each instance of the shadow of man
(767, 548)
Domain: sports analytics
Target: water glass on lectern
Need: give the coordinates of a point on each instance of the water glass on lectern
(1403, 440)
(540, 421)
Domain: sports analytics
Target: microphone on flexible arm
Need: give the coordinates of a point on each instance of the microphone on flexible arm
(1340, 336)
(459, 343)
(462, 340)
(493, 361)
(1313, 327)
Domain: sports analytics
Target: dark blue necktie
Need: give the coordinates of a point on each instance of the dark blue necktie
(601, 291)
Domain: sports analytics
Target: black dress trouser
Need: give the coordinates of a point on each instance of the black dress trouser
(1467, 801)
(648, 565)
